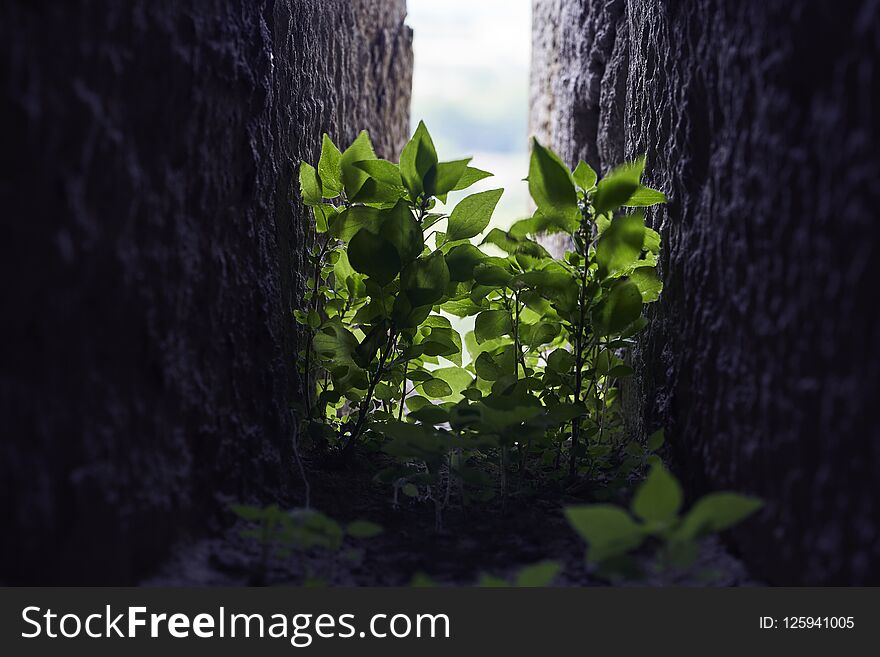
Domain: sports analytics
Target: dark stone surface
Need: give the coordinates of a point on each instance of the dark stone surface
(759, 120)
(152, 253)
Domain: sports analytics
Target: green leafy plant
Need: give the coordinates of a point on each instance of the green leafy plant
(395, 268)
(388, 272)
(596, 291)
(613, 532)
(377, 281)
(282, 533)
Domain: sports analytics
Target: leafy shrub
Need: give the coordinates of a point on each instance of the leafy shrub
(655, 512)
(390, 271)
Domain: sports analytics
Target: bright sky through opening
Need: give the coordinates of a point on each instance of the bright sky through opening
(470, 86)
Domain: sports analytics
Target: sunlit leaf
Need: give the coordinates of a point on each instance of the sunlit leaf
(620, 309)
(620, 246)
(644, 197)
(353, 177)
(609, 530)
(618, 186)
(424, 280)
(417, 159)
(445, 177)
(551, 185)
(658, 499)
(309, 187)
(584, 175)
(716, 512)
(491, 324)
(648, 282)
(470, 176)
(472, 215)
(330, 168)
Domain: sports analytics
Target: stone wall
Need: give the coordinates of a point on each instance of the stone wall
(152, 251)
(759, 122)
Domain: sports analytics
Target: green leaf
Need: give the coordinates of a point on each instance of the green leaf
(381, 171)
(486, 368)
(716, 512)
(442, 340)
(416, 160)
(436, 388)
(400, 228)
(644, 197)
(424, 280)
(620, 309)
(461, 261)
(553, 282)
(618, 186)
(634, 328)
(370, 345)
(539, 574)
(334, 341)
(353, 177)
(566, 412)
(648, 282)
(460, 307)
(550, 184)
(539, 333)
(652, 241)
(410, 490)
(656, 440)
(415, 402)
(309, 187)
(487, 581)
(330, 168)
(469, 177)
(491, 275)
(363, 529)
(378, 193)
(246, 512)
(445, 177)
(584, 175)
(505, 241)
(472, 215)
(658, 499)
(491, 324)
(351, 220)
(458, 378)
(384, 392)
(430, 413)
(620, 245)
(374, 256)
(561, 361)
(540, 223)
(324, 215)
(608, 529)
(620, 372)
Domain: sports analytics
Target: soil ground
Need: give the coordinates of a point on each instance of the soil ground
(491, 538)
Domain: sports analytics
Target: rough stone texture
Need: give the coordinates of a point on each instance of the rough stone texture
(152, 254)
(759, 122)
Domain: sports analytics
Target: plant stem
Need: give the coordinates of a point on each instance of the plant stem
(579, 364)
(403, 390)
(314, 306)
(299, 463)
(368, 399)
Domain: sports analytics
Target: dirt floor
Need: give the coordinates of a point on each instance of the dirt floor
(493, 538)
